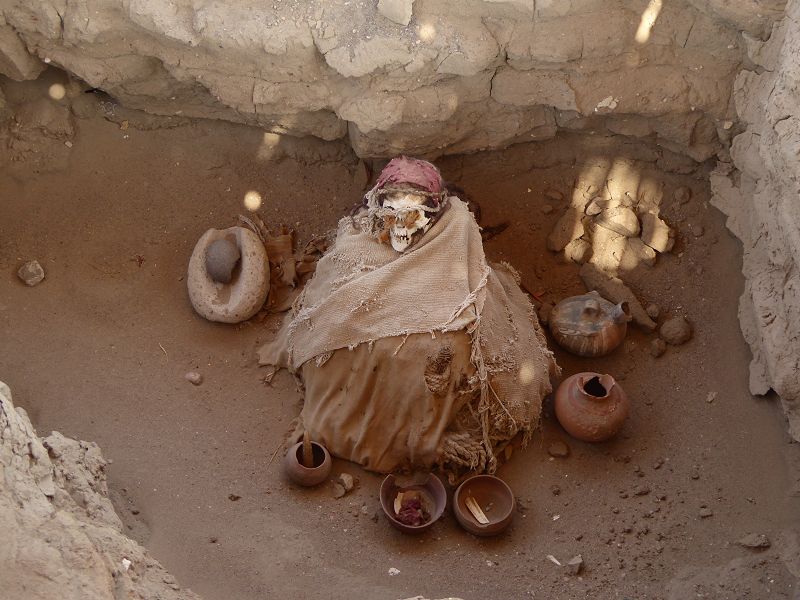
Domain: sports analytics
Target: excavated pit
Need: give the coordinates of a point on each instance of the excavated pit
(162, 133)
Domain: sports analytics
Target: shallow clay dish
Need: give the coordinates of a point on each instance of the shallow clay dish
(432, 493)
(493, 496)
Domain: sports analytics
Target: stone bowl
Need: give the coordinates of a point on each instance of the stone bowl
(245, 294)
(307, 476)
(432, 494)
(495, 499)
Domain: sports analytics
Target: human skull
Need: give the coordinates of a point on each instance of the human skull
(406, 217)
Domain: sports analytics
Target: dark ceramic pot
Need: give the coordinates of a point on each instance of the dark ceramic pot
(591, 407)
(293, 465)
(432, 494)
(493, 496)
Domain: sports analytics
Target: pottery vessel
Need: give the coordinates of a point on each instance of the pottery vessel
(591, 407)
(493, 496)
(430, 488)
(293, 465)
(589, 325)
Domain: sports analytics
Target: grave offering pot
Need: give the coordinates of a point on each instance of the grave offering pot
(589, 325)
(591, 407)
(307, 463)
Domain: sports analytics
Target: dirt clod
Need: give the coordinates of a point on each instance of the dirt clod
(676, 331)
(558, 449)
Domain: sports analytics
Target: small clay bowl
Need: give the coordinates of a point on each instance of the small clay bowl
(302, 475)
(432, 492)
(495, 499)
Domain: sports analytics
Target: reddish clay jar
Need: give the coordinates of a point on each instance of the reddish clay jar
(591, 407)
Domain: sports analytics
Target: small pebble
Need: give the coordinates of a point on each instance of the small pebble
(653, 310)
(31, 273)
(682, 194)
(575, 565)
(711, 397)
(194, 377)
(553, 195)
(558, 449)
(675, 331)
(658, 347)
(547, 209)
(393, 572)
(755, 541)
(68, 144)
(338, 490)
(705, 512)
(641, 490)
(346, 481)
(555, 490)
(696, 229)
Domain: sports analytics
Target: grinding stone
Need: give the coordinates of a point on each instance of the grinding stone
(221, 258)
(229, 302)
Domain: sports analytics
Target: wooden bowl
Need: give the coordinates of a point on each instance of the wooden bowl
(432, 493)
(493, 496)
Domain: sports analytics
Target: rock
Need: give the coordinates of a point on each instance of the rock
(554, 195)
(578, 251)
(613, 289)
(657, 234)
(575, 565)
(15, 60)
(393, 571)
(757, 541)
(569, 227)
(555, 490)
(194, 377)
(31, 273)
(682, 195)
(658, 347)
(56, 513)
(347, 482)
(338, 490)
(547, 209)
(558, 449)
(598, 204)
(641, 490)
(398, 11)
(711, 396)
(620, 220)
(221, 258)
(237, 301)
(705, 512)
(696, 229)
(544, 312)
(653, 310)
(676, 331)
(637, 253)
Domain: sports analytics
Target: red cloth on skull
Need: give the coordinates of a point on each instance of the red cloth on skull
(418, 172)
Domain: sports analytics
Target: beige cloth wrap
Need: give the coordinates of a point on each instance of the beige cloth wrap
(409, 360)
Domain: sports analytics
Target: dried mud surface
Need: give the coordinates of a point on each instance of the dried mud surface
(99, 351)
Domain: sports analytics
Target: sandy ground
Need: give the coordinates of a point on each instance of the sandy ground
(99, 350)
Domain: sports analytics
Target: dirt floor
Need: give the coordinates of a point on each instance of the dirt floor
(111, 204)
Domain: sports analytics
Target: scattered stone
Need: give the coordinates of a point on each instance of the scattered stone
(194, 377)
(398, 11)
(637, 253)
(711, 397)
(641, 490)
(613, 289)
(657, 234)
(544, 312)
(364, 509)
(658, 347)
(578, 251)
(68, 144)
(676, 331)
(347, 482)
(653, 310)
(705, 512)
(755, 540)
(234, 497)
(568, 227)
(31, 273)
(558, 449)
(620, 220)
(547, 209)
(555, 490)
(695, 474)
(658, 464)
(682, 195)
(575, 565)
(338, 490)
(393, 572)
(554, 195)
